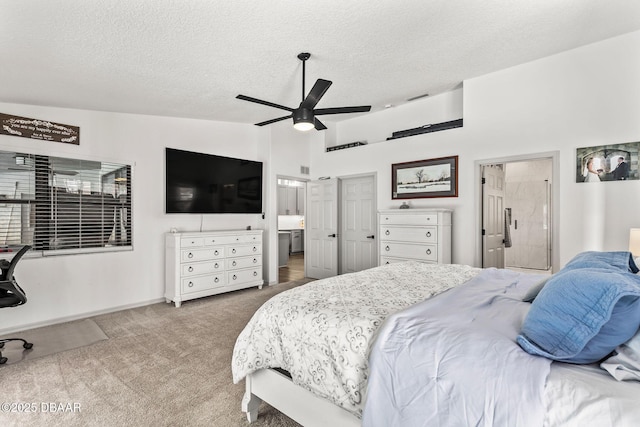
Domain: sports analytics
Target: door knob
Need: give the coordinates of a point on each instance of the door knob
(371, 237)
(332, 235)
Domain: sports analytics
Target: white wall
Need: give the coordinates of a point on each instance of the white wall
(65, 287)
(584, 97)
(288, 150)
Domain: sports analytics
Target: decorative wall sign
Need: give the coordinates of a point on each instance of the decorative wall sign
(38, 129)
(425, 178)
(612, 162)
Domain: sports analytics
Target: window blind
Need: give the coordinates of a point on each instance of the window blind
(61, 204)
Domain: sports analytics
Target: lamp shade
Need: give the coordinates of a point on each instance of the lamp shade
(634, 242)
(303, 119)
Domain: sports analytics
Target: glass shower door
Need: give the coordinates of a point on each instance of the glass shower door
(530, 226)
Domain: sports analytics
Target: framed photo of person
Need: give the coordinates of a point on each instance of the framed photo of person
(612, 162)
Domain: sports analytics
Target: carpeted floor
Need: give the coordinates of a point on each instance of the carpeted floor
(161, 366)
(52, 339)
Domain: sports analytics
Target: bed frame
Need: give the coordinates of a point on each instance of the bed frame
(297, 403)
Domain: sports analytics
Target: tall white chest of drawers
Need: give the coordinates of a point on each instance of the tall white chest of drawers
(415, 234)
(211, 262)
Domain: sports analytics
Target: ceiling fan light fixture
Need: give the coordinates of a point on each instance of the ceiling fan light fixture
(303, 119)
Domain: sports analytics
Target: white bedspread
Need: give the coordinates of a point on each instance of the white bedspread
(321, 333)
(586, 395)
(453, 360)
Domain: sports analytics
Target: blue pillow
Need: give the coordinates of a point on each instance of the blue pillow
(582, 315)
(621, 260)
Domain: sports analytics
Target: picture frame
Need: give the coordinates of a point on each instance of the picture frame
(428, 178)
(610, 162)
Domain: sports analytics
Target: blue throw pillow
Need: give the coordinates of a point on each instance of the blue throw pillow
(620, 260)
(582, 315)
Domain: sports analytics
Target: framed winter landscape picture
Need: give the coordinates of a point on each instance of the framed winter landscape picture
(425, 178)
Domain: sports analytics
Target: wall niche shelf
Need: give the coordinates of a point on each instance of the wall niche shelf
(452, 124)
(435, 127)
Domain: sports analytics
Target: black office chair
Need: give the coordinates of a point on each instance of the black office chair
(11, 295)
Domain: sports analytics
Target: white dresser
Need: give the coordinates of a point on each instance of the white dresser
(415, 234)
(211, 262)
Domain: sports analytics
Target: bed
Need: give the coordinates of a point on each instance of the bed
(429, 344)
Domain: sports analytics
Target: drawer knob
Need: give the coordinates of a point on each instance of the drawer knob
(216, 252)
(216, 280)
(235, 277)
(255, 260)
(428, 234)
(215, 265)
(233, 251)
(387, 248)
(190, 269)
(190, 255)
(255, 273)
(255, 249)
(234, 263)
(191, 284)
(387, 232)
(428, 251)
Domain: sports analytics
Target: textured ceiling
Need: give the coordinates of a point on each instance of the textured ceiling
(190, 58)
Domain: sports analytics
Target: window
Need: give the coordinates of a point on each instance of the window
(61, 205)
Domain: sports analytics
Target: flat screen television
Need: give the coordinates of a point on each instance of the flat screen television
(205, 183)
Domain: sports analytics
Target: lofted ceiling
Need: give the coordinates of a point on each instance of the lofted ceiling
(190, 58)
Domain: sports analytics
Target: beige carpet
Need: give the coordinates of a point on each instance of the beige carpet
(161, 366)
(52, 339)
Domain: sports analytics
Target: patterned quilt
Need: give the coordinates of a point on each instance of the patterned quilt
(322, 332)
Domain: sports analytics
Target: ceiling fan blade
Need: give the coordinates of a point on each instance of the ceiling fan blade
(317, 91)
(267, 103)
(318, 124)
(268, 122)
(341, 110)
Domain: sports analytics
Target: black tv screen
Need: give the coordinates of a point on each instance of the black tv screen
(205, 183)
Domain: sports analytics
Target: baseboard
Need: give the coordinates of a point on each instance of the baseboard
(78, 316)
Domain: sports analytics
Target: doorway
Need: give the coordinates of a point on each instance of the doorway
(342, 224)
(518, 208)
(358, 223)
(291, 217)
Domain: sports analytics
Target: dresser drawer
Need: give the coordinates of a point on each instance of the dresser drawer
(407, 250)
(229, 240)
(200, 283)
(243, 262)
(241, 276)
(196, 268)
(409, 219)
(388, 260)
(243, 250)
(202, 254)
(190, 242)
(409, 234)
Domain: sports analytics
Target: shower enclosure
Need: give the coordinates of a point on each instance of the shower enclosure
(530, 229)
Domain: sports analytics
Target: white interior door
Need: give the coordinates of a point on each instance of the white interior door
(358, 248)
(493, 193)
(321, 229)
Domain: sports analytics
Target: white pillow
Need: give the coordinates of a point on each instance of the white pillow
(624, 365)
